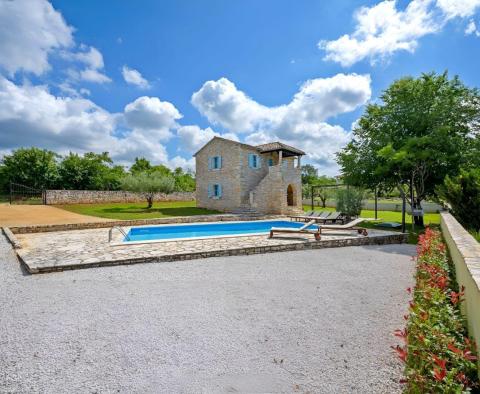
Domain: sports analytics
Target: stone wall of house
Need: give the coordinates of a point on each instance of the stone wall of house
(58, 197)
(228, 176)
(267, 186)
(270, 196)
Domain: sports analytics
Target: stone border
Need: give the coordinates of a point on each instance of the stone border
(136, 222)
(11, 238)
(307, 245)
(465, 253)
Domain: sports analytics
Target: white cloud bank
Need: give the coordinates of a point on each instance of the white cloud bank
(31, 115)
(29, 31)
(302, 122)
(134, 77)
(383, 29)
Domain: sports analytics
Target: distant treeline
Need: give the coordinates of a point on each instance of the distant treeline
(44, 169)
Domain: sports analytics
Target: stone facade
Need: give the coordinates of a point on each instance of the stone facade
(264, 189)
(56, 197)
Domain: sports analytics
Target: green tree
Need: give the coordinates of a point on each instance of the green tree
(321, 191)
(141, 165)
(309, 174)
(32, 167)
(147, 184)
(463, 194)
(349, 201)
(184, 181)
(420, 132)
(91, 171)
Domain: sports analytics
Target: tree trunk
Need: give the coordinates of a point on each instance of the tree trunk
(150, 201)
(324, 200)
(418, 220)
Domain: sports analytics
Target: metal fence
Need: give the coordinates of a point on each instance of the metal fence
(21, 194)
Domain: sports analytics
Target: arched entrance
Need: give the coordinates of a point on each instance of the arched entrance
(290, 196)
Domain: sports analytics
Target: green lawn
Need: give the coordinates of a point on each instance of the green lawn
(432, 219)
(127, 211)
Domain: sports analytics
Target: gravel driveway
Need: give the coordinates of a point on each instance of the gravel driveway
(307, 321)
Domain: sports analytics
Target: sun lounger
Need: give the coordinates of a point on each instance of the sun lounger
(301, 230)
(313, 215)
(306, 216)
(346, 227)
(332, 217)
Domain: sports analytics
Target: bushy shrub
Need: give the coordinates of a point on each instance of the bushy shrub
(463, 194)
(438, 354)
(349, 201)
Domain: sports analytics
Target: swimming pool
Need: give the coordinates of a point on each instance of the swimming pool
(205, 230)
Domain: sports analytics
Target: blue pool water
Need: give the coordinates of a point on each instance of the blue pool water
(201, 230)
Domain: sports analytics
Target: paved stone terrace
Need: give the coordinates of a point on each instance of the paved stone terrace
(55, 251)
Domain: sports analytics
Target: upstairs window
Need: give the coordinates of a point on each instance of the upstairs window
(254, 160)
(215, 163)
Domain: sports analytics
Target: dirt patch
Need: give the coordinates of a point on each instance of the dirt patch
(30, 215)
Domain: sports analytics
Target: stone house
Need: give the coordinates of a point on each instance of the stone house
(241, 178)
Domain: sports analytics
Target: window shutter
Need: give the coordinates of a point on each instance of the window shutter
(219, 190)
(209, 163)
(259, 162)
(250, 160)
(220, 162)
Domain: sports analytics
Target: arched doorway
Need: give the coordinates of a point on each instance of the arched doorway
(290, 196)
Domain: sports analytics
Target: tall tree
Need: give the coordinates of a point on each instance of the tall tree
(92, 171)
(140, 165)
(420, 132)
(32, 167)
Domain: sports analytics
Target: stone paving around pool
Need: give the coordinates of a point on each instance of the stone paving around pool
(56, 251)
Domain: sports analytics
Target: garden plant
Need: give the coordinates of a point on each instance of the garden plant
(439, 357)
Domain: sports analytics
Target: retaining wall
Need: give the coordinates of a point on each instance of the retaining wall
(57, 197)
(465, 253)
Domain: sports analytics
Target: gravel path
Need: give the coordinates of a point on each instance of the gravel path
(307, 321)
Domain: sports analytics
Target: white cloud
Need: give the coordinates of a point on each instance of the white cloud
(31, 115)
(192, 137)
(93, 61)
(134, 77)
(302, 122)
(472, 29)
(152, 118)
(382, 30)
(458, 8)
(29, 31)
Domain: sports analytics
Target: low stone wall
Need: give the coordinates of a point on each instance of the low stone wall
(428, 207)
(58, 197)
(465, 253)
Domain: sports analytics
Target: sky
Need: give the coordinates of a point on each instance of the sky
(159, 78)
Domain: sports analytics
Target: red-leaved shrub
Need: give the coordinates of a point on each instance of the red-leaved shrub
(438, 355)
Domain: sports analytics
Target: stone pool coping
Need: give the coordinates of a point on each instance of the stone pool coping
(38, 257)
(136, 222)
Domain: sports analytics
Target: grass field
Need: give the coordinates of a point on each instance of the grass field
(128, 211)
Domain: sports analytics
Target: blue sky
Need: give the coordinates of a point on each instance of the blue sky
(160, 78)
